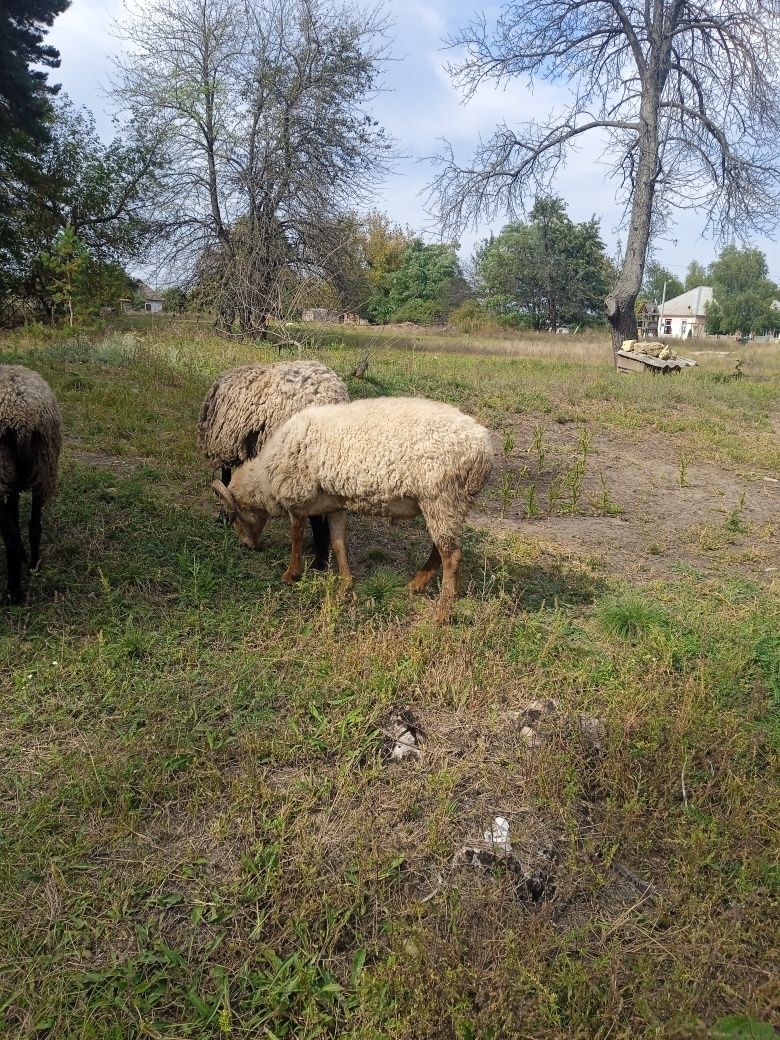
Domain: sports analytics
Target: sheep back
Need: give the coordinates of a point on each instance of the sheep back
(371, 452)
(30, 432)
(247, 404)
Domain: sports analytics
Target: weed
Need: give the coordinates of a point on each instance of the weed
(507, 492)
(630, 615)
(734, 521)
(604, 503)
(574, 479)
(539, 447)
(682, 475)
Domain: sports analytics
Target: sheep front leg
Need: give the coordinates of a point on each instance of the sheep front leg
(295, 568)
(451, 559)
(222, 520)
(337, 522)
(14, 547)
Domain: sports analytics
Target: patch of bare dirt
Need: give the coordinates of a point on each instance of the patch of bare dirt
(638, 511)
(121, 465)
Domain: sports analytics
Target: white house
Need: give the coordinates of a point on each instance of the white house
(685, 316)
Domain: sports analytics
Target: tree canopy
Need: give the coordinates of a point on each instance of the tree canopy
(744, 293)
(428, 284)
(696, 275)
(261, 108)
(24, 91)
(75, 202)
(546, 272)
(658, 277)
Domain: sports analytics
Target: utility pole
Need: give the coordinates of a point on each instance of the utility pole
(661, 315)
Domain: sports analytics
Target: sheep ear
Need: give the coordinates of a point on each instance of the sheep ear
(225, 497)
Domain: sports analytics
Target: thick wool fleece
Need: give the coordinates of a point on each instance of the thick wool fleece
(247, 404)
(377, 456)
(30, 432)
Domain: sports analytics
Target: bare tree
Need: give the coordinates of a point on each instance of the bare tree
(261, 105)
(686, 92)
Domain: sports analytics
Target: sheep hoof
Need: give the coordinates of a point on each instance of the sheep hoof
(290, 577)
(319, 565)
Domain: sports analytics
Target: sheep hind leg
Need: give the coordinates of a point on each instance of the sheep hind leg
(427, 572)
(337, 522)
(295, 568)
(14, 547)
(35, 529)
(451, 560)
(321, 536)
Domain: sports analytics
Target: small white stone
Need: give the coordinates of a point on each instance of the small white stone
(531, 737)
(498, 834)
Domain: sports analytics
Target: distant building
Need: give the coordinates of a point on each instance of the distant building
(320, 314)
(153, 306)
(685, 316)
(647, 320)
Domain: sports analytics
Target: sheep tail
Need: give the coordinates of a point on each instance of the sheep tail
(478, 473)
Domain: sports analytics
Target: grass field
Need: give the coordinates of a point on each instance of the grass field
(203, 831)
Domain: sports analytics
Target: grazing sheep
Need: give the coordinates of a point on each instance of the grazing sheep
(247, 404)
(30, 442)
(391, 456)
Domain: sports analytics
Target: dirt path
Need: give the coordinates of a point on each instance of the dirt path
(637, 512)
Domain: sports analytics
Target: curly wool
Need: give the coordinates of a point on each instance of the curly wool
(247, 404)
(30, 432)
(387, 456)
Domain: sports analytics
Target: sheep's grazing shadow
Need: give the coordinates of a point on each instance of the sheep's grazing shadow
(532, 586)
(487, 572)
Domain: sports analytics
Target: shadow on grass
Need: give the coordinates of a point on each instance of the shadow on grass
(113, 545)
(542, 583)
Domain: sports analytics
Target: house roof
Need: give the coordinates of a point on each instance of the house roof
(697, 299)
(145, 291)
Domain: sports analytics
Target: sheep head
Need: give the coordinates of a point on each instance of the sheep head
(248, 523)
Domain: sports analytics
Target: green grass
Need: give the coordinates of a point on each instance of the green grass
(200, 833)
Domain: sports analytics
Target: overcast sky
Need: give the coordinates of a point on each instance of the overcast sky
(419, 107)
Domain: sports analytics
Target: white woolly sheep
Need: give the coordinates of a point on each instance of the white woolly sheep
(30, 442)
(391, 456)
(247, 404)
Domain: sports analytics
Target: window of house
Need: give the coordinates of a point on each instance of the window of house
(667, 326)
(684, 327)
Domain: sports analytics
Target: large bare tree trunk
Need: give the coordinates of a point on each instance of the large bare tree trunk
(620, 305)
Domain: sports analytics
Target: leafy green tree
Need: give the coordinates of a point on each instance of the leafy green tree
(653, 285)
(744, 291)
(695, 276)
(175, 299)
(544, 273)
(75, 182)
(63, 273)
(714, 319)
(360, 270)
(24, 91)
(428, 284)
